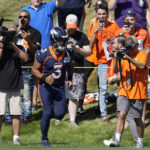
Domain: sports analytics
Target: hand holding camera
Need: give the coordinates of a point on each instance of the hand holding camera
(121, 54)
(25, 35)
(101, 24)
(126, 28)
(23, 26)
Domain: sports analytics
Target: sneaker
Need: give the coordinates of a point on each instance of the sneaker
(80, 110)
(73, 124)
(34, 108)
(16, 141)
(45, 143)
(57, 122)
(112, 143)
(138, 145)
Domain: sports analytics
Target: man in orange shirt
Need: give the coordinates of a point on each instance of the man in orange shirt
(133, 90)
(101, 31)
(130, 28)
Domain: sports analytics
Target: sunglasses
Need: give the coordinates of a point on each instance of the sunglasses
(23, 17)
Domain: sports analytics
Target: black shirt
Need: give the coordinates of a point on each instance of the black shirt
(35, 37)
(10, 71)
(79, 38)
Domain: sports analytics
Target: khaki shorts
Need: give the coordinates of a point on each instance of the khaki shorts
(12, 99)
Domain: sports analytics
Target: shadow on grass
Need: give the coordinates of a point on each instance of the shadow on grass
(93, 112)
(147, 114)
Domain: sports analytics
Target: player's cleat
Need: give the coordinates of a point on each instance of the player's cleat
(45, 143)
(112, 143)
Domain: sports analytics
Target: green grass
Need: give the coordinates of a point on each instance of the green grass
(91, 131)
(89, 135)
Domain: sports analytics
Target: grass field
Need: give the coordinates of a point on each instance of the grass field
(91, 131)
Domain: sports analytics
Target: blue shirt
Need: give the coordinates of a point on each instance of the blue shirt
(42, 20)
(53, 64)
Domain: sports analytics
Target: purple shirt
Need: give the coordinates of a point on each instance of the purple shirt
(123, 5)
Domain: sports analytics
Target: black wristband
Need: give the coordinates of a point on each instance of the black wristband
(43, 78)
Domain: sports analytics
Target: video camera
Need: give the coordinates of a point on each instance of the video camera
(8, 36)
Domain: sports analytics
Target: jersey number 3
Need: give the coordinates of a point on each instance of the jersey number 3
(57, 71)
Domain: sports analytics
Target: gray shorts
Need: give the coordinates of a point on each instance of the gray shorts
(78, 87)
(135, 106)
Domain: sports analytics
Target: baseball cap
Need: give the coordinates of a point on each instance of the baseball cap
(130, 12)
(131, 42)
(71, 21)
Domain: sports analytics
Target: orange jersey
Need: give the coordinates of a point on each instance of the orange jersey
(141, 35)
(109, 31)
(139, 77)
(110, 73)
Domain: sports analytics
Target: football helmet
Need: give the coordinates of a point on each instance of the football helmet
(58, 35)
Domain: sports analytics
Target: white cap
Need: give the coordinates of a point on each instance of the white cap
(71, 21)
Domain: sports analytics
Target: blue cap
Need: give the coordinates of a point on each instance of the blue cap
(130, 12)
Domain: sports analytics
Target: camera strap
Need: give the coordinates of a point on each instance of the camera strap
(120, 69)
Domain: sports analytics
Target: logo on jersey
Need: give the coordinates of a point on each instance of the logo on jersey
(128, 81)
(66, 59)
(43, 50)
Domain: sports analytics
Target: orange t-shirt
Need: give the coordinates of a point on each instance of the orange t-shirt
(141, 35)
(92, 25)
(109, 31)
(139, 77)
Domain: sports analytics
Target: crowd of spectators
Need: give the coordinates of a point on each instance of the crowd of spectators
(62, 58)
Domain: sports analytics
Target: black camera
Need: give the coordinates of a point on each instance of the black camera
(25, 26)
(102, 22)
(121, 53)
(8, 36)
(126, 23)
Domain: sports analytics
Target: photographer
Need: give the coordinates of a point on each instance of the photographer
(29, 40)
(133, 90)
(11, 80)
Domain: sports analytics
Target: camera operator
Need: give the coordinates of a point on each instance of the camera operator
(29, 39)
(132, 99)
(11, 81)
